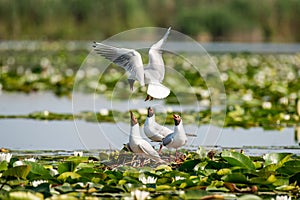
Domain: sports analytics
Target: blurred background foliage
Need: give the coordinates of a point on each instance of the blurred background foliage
(205, 20)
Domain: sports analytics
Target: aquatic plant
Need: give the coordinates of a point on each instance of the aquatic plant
(228, 174)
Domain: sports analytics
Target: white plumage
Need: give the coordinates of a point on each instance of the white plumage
(131, 60)
(178, 138)
(140, 146)
(153, 130)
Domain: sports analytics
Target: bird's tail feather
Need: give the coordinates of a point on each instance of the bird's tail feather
(158, 91)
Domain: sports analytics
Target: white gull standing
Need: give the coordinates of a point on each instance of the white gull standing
(153, 130)
(131, 60)
(140, 146)
(176, 139)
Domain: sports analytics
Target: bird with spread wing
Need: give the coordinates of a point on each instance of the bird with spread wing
(131, 60)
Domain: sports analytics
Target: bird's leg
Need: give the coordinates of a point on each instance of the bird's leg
(160, 148)
(170, 156)
(176, 155)
(131, 82)
(148, 97)
(133, 157)
(142, 162)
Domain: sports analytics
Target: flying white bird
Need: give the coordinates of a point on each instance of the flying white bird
(176, 139)
(131, 60)
(140, 146)
(153, 130)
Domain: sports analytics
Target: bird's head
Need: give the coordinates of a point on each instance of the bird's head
(134, 121)
(150, 112)
(177, 119)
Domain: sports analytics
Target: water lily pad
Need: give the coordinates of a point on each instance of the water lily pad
(18, 171)
(112, 189)
(65, 188)
(193, 194)
(64, 176)
(238, 159)
(43, 188)
(37, 171)
(275, 158)
(23, 195)
(249, 197)
(3, 166)
(235, 178)
(164, 187)
(290, 167)
(188, 166)
(263, 181)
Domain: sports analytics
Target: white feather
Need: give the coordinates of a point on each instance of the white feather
(155, 131)
(157, 90)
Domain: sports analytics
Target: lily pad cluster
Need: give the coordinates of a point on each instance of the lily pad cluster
(246, 77)
(202, 175)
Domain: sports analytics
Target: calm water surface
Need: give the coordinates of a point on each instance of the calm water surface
(20, 134)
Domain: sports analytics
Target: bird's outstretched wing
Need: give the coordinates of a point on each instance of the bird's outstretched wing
(129, 59)
(156, 64)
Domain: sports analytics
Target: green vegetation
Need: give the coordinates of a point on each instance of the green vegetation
(200, 174)
(229, 20)
(255, 116)
(262, 89)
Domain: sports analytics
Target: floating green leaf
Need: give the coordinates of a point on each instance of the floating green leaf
(193, 194)
(238, 159)
(275, 158)
(249, 197)
(226, 174)
(189, 165)
(23, 195)
(64, 176)
(37, 171)
(287, 188)
(3, 166)
(65, 188)
(263, 181)
(18, 171)
(43, 188)
(290, 167)
(235, 178)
